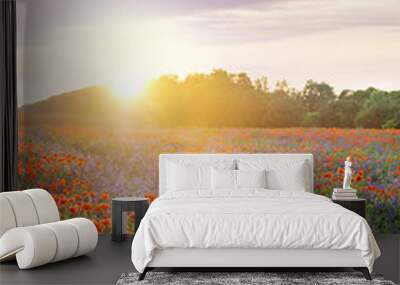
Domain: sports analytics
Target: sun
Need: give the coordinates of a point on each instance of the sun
(127, 88)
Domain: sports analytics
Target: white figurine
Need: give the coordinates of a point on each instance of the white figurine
(347, 173)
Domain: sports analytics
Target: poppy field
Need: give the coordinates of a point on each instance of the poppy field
(83, 168)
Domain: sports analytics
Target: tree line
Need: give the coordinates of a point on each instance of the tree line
(222, 99)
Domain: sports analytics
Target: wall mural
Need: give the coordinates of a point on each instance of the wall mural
(105, 88)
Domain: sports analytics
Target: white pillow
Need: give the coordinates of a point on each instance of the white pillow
(289, 175)
(251, 178)
(226, 179)
(223, 179)
(182, 177)
(193, 174)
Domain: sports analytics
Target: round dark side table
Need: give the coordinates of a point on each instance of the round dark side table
(122, 205)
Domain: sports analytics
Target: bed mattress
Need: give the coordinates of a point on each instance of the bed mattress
(250, 219)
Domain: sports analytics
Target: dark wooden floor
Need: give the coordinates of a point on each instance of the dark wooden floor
(110, 260)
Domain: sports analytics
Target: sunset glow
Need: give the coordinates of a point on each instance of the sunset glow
(349, 44)
(127, 89)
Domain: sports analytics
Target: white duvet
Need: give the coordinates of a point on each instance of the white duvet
(250, 219)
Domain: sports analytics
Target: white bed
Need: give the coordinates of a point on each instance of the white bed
(250, 227)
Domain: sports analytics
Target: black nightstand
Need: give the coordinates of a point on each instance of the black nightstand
(119, 208)
(358, 206)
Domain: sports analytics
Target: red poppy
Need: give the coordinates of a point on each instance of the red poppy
(100, 227)
(104, 207)
(151, 196)
(104, 196)
(63, 201)
(73, 210)
(106, 222)
(87, 207)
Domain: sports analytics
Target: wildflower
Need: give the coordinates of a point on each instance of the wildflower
(73, 210)
(150, 196)
(104, 196)
(87, 207)
(106, 222)
(104, 207)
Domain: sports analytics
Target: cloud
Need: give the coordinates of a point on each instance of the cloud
(281, 19)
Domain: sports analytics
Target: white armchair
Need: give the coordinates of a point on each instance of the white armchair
(31, 230)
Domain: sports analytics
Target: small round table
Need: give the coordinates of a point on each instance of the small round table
(122, 205)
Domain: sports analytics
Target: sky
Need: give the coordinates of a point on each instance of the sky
(64, 45)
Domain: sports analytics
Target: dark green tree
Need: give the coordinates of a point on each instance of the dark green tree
(317, 95)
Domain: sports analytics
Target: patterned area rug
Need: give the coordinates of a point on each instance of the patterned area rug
(236, 278)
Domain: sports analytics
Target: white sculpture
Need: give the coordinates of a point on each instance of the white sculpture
(347, 173)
